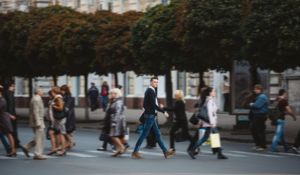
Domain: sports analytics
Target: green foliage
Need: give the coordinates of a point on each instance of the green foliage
(152, 42)
(271, 34)
(209, 28)
(112, 53)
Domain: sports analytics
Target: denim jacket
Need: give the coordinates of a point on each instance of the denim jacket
(260, 106)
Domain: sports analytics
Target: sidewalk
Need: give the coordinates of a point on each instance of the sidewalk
(225, 123)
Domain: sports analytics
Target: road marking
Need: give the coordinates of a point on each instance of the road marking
(149, 153)
(254, 154)
(79, 155)
(233, 155)
(107, 153)
(32, 155)
(286, 154)
(4, 157)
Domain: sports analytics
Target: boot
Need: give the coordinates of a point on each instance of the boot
(136, 155)
(169, 153)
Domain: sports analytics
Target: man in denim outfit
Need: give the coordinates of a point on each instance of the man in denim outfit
(151, 105)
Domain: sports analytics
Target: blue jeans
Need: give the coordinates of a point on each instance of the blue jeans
(149, 121)
(204, 139)
(5, 142)
(279, 133)
(104, 102)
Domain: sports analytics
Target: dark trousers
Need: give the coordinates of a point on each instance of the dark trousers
(15, 133)
(226, 102)
(184, 126)
(94, 104)
(107, 140)
(258, 127)
(297, 141)
(5, 143)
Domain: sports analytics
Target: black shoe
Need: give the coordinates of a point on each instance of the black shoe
(101, 149)
(196, 152)
(148, 147)
(18, 146)
(126, 145)
(222, 157)
(275, 151)
(192, 155)
(12, 155)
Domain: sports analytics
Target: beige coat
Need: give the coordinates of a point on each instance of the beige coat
(36, 112)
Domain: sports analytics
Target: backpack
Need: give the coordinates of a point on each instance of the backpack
(274, 112)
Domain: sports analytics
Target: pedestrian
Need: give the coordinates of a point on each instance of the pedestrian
(181, 119)
(207, 100)
(259, 112)
(59, 125)
(225, 91)
(5, 124)
(297, 144)
(105, 131)
(104, 94)
(70, 120)
(150, 105)
(36, 122)
(117, 120)
(93, 94)
(280, 122)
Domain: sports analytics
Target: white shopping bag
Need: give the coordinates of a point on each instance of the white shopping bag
(127, 135)
(215, 140)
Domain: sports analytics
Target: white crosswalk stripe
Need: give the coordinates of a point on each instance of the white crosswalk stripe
(227, 154)
(107, 153)
(4, 157)
(254, 154)
(79, 155)
(286, 154)
(32, 155)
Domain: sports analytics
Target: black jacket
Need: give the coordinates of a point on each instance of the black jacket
(150, 103)
(107, 90)
(179, 110)
(10, 98)
(70, 123)
(93, 93)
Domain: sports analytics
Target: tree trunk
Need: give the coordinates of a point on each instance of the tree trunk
(87, 117)
(201, 80)
(30, 87)
(169, 97)
(116, 79)
(54, 80)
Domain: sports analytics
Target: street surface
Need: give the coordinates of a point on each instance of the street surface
(84, 159)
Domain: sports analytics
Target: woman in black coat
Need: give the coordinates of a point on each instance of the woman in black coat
(181, 120)
(70, 123)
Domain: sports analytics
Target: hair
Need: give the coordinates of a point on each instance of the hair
(119, 86)
(65, 88)
(180, 95)
(225, 77)
(104, 83)
(56, 90)
(93, 83)
(154, 78)
(1, 89)
(200, 90)
(204, 94)
(259, 86)
(116, 91)
(37, 89)
(281, 92)
(49, 93)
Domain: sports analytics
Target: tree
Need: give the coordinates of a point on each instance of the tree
(270, 34)
(76, 42)
(209, 28)
(112, 52)
(41, 45)
(16, 33)
(153, 46)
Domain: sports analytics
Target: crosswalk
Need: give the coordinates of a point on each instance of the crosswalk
(95, 154)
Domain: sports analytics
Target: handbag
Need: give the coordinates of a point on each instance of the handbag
(194, 120)
(202, 114)
(60, 114)
(215, 140)
(102, 136)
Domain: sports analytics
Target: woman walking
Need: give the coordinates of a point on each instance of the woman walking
(181, 120)
(58, 126)
(70, 123)
(117, 121)
(104, 94)
(207, 100)
(5, 124)
(225, 91)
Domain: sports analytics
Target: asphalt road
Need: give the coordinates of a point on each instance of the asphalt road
(83, 159)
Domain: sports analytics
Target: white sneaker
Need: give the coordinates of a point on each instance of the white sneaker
(256, 147)
(260, 149)
(297, 151)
